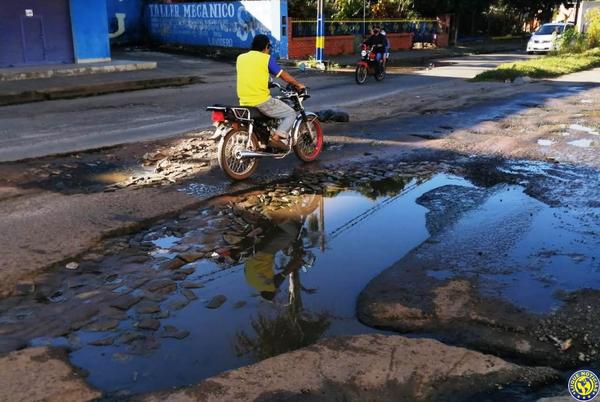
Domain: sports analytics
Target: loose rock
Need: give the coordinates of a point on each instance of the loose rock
(149, 324)
(216, 302)
(125, 302)
(72, 266)
(103, 324)
(189, 294)
(175, 263)
(172, 332)
(103, 342)
(148, 307)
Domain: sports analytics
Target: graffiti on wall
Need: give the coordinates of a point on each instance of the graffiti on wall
(125, 22)
(222, 24)
(120, 17)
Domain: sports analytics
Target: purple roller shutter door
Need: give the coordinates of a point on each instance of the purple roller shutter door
(42, 37)
(32, 33)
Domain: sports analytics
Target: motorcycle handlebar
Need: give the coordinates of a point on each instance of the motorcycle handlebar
(288, 88)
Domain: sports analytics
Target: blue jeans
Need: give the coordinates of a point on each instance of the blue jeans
(278, 110)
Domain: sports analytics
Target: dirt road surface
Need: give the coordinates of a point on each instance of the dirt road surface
(465, 212)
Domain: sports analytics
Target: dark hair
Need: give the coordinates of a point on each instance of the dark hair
(376, 27)
(260, 42)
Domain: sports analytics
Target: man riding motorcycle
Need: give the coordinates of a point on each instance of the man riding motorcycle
(253, 69)
(378, 41)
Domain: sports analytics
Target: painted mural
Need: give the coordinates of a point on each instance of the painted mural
(219, 24)
(125, 21)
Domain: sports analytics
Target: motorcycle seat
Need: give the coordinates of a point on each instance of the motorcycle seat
(254, 112)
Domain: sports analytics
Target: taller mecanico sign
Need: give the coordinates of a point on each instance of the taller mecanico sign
(220, 24)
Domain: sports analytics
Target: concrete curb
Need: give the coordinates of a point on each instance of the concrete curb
(9, 74)
(93, 89)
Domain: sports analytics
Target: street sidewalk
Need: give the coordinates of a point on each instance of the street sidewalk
(131, 70)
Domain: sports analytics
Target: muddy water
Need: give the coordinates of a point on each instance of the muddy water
(262, 273)
(137, 324)
(539, 252)
(271, 292)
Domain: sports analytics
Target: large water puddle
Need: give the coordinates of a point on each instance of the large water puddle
(259, 274)
(296, 287)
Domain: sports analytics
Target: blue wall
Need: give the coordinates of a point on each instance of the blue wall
(90, 30)
(230, 24)
(134, 21)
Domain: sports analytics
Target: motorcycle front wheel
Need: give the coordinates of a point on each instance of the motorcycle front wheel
(308, 146)
(380, 74)
(361, 74)
(230, 146)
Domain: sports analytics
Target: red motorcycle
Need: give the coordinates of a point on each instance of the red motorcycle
(369, 65)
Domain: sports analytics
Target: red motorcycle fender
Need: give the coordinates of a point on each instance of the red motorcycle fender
(362, 63)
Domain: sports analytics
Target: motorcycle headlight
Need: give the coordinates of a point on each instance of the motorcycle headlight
(363, 53)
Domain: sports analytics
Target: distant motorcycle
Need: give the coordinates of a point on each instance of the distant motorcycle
(369, 65)
(243, 133)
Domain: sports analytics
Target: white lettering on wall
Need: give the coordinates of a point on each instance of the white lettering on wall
(223, 24)
(200, 10)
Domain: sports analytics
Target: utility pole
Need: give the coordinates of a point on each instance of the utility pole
(364, 19)
(320, 53)
(576, 13)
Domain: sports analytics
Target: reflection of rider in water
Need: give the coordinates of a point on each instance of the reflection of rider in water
(260, 275)
(260, 268)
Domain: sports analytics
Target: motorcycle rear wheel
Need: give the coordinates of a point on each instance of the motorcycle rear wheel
(308, 147)
(361, 74)
(233, 142)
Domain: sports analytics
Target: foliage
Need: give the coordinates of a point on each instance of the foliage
(343, 9)
(393, 9)
(544, 67)
(531, 8)
(283, 333)
(302, 9)
(593, 27)
(576, 42)
(473, 17)
(571, 41)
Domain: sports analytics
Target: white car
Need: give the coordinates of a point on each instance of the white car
(543, 40)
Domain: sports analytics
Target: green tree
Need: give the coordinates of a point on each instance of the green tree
(593, 27)
(343, 9)
(393, 9)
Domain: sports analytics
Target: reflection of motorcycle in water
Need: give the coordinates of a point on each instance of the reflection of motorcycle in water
(284, 256)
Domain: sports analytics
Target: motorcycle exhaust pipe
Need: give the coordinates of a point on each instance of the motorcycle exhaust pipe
(256, 154)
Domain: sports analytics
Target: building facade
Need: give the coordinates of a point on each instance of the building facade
(38, 32)
(219, 24)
